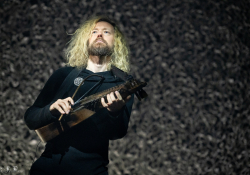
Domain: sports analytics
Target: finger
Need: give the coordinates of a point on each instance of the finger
(118, 95)
(66, 103)
(64, 106)
(70, 100)
(109, 99)
(112, 96)
(59, 109)
(103, 103)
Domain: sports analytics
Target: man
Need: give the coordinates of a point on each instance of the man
(94, 47)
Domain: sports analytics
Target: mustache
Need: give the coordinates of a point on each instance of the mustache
(101, 40)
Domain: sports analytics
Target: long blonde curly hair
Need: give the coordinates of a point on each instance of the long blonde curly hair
(77, 51)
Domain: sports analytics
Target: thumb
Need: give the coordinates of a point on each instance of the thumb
(127, 98)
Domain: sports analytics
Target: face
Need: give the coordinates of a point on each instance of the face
(101, 41)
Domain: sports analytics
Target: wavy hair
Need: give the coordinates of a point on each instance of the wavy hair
(77, 51)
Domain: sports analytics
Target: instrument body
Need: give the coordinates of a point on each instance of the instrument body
(87, 107)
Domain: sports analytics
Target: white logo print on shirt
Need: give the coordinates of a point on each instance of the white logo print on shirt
(78, 81)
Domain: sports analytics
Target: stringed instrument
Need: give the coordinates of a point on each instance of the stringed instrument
(87, 107)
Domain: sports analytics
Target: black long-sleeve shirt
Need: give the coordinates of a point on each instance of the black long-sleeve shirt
(84, 148)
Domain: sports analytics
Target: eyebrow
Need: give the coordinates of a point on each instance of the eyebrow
(103, 29)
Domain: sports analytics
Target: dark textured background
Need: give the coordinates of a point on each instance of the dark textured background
(194, 54)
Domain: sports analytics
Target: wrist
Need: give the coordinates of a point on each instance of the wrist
(116, 113)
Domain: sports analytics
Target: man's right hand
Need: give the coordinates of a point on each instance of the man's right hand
(61, 106)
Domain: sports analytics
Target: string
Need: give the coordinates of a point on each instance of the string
(102, 78)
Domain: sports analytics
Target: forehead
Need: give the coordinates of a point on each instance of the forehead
(103, 25)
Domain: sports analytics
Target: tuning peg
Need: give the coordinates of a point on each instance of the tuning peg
(142, 93)
(138, 96)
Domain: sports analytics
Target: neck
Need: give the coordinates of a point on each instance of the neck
(97, 64)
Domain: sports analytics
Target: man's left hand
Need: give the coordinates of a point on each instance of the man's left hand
(115, 103)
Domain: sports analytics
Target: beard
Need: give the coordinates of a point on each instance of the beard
(100, 49)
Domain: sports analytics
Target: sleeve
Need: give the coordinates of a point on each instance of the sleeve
(113, 127)
(38, 114)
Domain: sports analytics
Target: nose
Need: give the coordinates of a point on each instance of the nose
(99, 34)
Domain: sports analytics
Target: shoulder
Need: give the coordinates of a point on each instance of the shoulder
(62, 72)
(59, 75)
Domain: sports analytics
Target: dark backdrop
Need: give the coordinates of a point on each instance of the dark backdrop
(194, 54)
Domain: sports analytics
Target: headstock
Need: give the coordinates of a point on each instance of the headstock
(135, 86)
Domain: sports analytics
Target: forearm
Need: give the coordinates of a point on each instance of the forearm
(113, 125)
(36, 117)
(38, 114)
